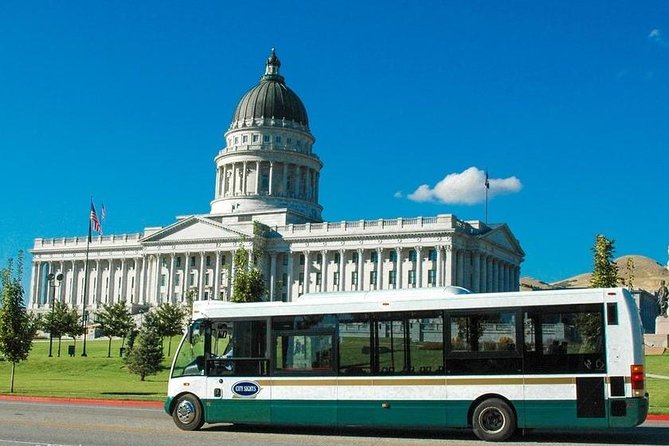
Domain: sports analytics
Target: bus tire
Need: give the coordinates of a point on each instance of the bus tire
(493, 420)
(188, 414)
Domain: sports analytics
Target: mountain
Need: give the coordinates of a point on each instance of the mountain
(647, 274)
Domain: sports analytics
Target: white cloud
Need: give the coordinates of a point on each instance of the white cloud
(656, 36)
(467, 187)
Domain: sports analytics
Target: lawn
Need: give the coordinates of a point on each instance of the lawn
(97, 376)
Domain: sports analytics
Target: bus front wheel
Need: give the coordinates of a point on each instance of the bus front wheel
(493, 420)
(188, 414)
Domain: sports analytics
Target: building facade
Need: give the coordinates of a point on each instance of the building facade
(268, 173)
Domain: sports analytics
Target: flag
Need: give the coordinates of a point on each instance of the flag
(94, 220)
(487, 183)
(103, 212)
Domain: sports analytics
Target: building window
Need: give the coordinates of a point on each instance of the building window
(177, 280)
(284, 279)
(163, 262)
(372, 277)
(207, 260)
(223, 259)
(354, 257)
(412, 277)
(255, 138)
(178, 262)
(432, 253)
(318, 278)
(337, 258)
(373, 256)
(284, 261)
(412, 255)
(301, 278)
(265, 138)
(236, 140)
(162, 280)
(392, 277)
(319, 259)
(354, 278)
(191, 279)
(192, 261)
(301, 259)
(206, 279)
(392, 256)
(222, 279)
(289, 140)
(277, 139)
(245, 138)
(335, 278)
(432, 277)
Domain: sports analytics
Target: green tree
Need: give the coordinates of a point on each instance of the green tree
(17, 326)
(249, 283)
(605, 272)
(170, 321)
(55, 323)
(146, 355)
(115, 321)
(73, 327)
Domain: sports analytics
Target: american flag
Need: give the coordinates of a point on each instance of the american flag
(94, 220)
(103, 211)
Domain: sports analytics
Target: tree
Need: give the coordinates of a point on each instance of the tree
(605, 272)
(249, 282)
(146, 355)
(170, 321)
(115, 321)
(629, 283)
(55, 322)
(17, 326)
(73, 325)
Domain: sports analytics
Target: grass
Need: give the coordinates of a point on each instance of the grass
(97, 376)
(93, 376)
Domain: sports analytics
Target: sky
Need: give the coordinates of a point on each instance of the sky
(565, 105)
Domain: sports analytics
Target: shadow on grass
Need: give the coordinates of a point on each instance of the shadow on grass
(129, 393)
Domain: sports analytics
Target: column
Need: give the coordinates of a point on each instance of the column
(379, 272)
(74, 284)
(98, 282)
(169, 294)
(361, 261)
(289, 285)
(234, 179)
(398, 275)
(270, 187)
(476, 285)
(484, 274)
(419, 267)
(123, 285)
(324, 270)
(200, 274)
(257, 191)
(305, 287)
(342, 262)
(284, 180)
(439, 282)
(272, 276)
(448, 267)
(217, 277)
(186, 278)
(111, 282)
(34, 281)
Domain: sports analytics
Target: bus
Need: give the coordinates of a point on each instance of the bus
(415, 358)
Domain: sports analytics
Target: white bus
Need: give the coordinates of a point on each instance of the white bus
(416, 358)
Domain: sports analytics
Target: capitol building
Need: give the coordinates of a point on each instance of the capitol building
(269, 172)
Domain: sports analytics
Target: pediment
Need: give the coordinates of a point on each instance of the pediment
(502, 237)
(192, 229)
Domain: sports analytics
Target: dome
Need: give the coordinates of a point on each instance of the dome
(271, 98)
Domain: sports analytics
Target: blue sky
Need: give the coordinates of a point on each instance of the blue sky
(564, 103)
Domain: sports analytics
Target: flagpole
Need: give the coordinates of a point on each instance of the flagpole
(84, 314)
(487, 186)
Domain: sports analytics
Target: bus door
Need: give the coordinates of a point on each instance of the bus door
(237, 372)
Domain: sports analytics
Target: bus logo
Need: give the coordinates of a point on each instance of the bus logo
(245, 389)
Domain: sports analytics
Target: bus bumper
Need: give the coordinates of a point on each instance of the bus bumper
(167, 405)
(628, 412)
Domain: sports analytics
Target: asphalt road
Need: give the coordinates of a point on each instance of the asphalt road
(46, 423)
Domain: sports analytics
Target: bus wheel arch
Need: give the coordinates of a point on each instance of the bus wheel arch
(187, 412)
(492, 417)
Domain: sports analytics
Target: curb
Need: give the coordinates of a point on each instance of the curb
(89, 401)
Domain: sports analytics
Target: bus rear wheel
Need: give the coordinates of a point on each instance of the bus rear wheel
(493, 420)
(188, 414)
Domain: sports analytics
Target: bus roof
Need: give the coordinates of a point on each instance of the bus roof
(417, 299)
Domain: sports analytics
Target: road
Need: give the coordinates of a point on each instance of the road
(32, 424)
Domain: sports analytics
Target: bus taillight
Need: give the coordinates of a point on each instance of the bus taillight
(638, 380)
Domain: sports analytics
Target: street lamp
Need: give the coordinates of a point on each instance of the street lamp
(54, 282)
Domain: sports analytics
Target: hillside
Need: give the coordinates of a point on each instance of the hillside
(647, 276)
